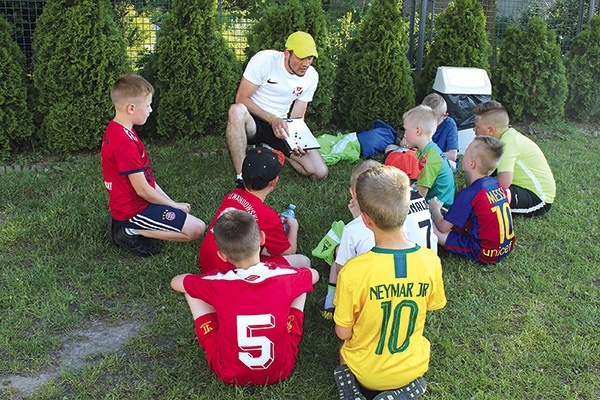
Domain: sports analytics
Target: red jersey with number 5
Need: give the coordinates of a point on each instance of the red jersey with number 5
(253, 305)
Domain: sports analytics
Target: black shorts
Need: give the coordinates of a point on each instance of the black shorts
(525, 202)
(264, 134)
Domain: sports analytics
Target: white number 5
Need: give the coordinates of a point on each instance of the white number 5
(247, 341)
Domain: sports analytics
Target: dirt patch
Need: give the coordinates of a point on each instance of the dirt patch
(76, 347)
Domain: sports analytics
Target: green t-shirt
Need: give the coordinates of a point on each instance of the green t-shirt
(528, 165)
(436, 174)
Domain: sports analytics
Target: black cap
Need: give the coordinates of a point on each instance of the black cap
(260, 167)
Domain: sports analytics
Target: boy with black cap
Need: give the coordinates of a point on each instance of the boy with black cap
(260, 171)
(275, 85)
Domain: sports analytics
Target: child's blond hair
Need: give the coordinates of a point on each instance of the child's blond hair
(486, 151)
(129, 88)
(360, 168)
(436, 103)
(423, 117)
(493, 113)
(237, 235)
(383, 193)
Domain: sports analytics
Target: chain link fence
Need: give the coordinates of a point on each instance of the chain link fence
(141, 19)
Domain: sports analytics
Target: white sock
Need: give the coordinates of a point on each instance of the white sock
(330, 296)
(239, 176)
(131, 231)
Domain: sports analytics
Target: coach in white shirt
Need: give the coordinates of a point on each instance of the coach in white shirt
(273, 82)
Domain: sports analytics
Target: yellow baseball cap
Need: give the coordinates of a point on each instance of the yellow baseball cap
(302, 44)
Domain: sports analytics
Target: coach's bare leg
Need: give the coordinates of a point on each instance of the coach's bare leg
(240, 128)
(311, 164)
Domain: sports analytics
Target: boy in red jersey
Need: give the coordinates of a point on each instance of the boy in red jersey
(254, 339)
(479, 224)
(260, 171)
(139, 209)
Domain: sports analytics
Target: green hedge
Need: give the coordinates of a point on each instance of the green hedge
(530, 76)
(196, 72)
(78, 54)
(16, 122)
(373, 79)
(583, 74)
(459, 40)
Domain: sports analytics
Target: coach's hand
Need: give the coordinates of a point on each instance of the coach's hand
(280, 128)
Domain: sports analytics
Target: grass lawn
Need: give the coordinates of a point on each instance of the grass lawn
(528, 328)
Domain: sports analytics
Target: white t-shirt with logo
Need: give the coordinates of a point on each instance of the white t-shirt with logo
(277, 88)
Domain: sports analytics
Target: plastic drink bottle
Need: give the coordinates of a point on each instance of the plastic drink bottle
(289, 212)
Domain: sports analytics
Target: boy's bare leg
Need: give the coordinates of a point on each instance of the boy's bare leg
(298, 260)
(299, 302)
(198, 307)
(192, 229)
(441, 236)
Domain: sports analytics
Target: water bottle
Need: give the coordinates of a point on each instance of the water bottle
(289, 212)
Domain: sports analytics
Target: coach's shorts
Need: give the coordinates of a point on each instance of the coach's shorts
(157, 218)
(264, 134)
(525, 202)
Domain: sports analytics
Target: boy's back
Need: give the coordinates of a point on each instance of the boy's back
(446, 135)
(418, 227)
(253, 311)
(390, 292)
(276, 241)
(356, 239)
(528, 165)
(482, 211)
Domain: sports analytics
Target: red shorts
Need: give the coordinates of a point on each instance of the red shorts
(207, 328)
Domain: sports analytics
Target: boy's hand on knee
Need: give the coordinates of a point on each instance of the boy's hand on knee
(185, 207)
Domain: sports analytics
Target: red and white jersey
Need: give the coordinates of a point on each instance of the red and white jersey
(123, 153)
(252, 307)
(276, 241)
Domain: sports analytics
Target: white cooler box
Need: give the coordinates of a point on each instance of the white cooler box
(463, 88)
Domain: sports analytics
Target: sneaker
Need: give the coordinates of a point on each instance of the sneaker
(279, 153)
(326, 313)
(153, 246)
(111, 229)
(346, 384)
(239, 183)
(137, 244)
(413, 390)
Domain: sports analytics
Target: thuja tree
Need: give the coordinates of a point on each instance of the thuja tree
(459, 40)
(583, 74)
(78, 53)
(196, 72)
(15, 118)
(530, 76)
(374, 79)
(271, 32)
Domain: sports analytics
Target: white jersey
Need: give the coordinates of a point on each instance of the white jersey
(418, 227)
(277, 88)
(357, 239)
